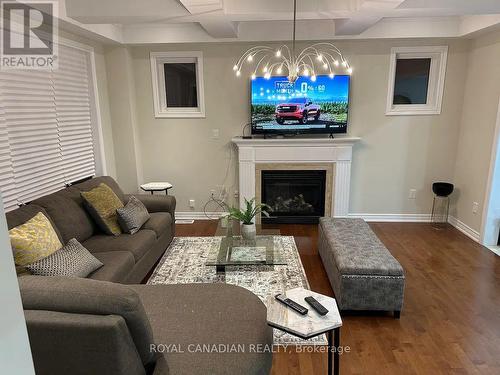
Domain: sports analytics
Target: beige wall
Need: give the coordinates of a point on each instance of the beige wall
(397, 152)
(122, 99)
(480, 106)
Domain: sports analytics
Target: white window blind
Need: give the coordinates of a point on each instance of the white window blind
(7, 186)
(46, 139)
(74, 116)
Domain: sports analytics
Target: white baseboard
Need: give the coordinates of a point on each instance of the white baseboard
(193, 215)
(464, 228)
(409, 218)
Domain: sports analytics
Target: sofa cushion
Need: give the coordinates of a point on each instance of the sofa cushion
(159, 222)
(70, 217)
(34, 240)
(133, 216)
(206, 314)
(72, 260)
(138, 244)
(94, 182)
(86, 296)
(117, 266)
(102, 204)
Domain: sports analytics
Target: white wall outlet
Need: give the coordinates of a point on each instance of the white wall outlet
(191, 203)
(475, 207)
(215, 133)
(412, 194)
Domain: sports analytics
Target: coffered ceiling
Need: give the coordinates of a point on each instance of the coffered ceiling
(171, 21)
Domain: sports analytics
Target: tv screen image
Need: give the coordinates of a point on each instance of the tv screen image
(305, 106)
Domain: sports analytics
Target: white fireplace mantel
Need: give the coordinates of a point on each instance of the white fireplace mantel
(298, 150)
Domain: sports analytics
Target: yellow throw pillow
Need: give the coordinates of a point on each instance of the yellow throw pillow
(102, 203)
(33, 240)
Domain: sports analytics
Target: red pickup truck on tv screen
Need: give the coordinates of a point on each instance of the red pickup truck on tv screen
(298, 109)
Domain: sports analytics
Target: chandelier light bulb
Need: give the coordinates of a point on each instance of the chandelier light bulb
(238, 73)
(250, 58)
(306, 72)
(267, 76)
(336, 63)
(313, 77)
(279, 70)
(235, 68)
(344, 63)
(325, 66)
(331, 75)
(253, 76)
(264, 69)
(349, 70)
(278, 53)
(320, 57)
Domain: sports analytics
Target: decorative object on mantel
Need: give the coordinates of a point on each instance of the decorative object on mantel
(247, 217)
(318, 57)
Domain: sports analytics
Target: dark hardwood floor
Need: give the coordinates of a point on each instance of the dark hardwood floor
(450, 323)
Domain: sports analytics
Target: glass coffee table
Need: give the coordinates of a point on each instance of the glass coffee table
(236, 251)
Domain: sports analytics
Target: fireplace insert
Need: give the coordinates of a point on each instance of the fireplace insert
(294, 196)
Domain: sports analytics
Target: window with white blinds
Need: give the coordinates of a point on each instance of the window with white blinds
(46, 129)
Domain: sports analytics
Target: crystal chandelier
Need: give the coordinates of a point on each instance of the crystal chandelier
(318, 58)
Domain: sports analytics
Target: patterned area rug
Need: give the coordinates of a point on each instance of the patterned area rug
(184, 262)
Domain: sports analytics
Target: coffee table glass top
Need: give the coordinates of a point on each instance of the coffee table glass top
(234, 250)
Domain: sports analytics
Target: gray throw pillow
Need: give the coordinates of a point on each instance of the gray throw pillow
(133, 216)
(72, 260)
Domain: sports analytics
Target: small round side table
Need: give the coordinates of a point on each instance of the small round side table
(156, 186)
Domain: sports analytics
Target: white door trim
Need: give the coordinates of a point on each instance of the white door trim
(485, 238)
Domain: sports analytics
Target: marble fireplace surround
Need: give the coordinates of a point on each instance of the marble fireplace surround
(333, 155)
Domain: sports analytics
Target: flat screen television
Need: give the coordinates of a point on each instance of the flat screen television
(306, 106)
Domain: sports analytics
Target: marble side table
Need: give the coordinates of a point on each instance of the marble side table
(308, 326)
(156, 186)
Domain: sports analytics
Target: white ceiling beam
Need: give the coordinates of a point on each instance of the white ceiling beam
(359, 23)
(123, 11)
(472, 25)
(202, 6)
(220, 28)
(212, 18)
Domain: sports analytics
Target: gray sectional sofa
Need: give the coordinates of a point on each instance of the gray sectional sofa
(99, 325)
(127, 258)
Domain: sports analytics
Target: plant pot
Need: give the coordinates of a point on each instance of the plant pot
(248, 231)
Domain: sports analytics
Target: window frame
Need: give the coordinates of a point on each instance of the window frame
(435, 88)
(159, 86)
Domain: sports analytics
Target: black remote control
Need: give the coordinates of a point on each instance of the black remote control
(320, 309)
(291, 304)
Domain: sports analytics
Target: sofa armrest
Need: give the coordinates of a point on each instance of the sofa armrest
(93, 297)
(157, 203)
(79, 344)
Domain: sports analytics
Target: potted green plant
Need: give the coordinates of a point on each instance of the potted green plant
(247, 216)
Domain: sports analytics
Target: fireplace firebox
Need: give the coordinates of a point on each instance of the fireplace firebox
(294, 196)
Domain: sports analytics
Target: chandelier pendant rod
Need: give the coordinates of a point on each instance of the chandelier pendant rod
(294, 23)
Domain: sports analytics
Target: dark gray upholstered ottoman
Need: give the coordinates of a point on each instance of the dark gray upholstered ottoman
(363, 273)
